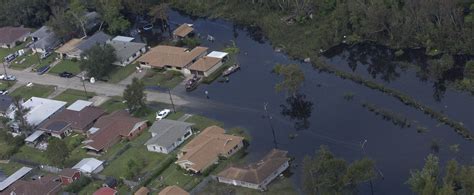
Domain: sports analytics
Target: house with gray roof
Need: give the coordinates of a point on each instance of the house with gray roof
(167, 135)
(6, 104)
(99, 38)
(44, 40)
(126, 51)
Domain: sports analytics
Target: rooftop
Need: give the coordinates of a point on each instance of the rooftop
(123, 49)
(105, 191)
(35, 135)
(173, 190)
(79, 120)
(47, 39)
(14, 177)
(183, 30)
(123, 38)
(5, 102)
(204, 64)
(69, 46)
(163, 55)
(88, 165)
(79, 105)
(168, 131)
(217, 54)
(48, 184)
(9, 34)
(97, 38)
(40, 109)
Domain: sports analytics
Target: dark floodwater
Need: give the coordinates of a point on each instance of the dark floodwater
(342, 125)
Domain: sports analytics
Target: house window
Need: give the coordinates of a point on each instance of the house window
(154, 147)
(187, 134)
(235, 147)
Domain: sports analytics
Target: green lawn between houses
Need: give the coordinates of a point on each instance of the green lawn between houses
(119, 73)
(72, 95)
(10, 168)
(66, 66)
(165, 79)
(4, 85)
(113, 104)
(24, 61)
(6, 51)
(36, 90)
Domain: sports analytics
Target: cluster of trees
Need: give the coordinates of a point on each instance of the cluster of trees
(135, 97)
(98, 60)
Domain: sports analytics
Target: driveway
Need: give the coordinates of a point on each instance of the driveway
(100, 88)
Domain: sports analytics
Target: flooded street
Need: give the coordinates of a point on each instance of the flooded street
(333, 121)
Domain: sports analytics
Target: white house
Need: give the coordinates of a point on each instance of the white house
(167, 135)
(257, 175)
(126, 50)
(89, 166)
(40, 109)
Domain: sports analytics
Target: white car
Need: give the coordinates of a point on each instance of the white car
(2, 76)
(9, 78)
(162, 114)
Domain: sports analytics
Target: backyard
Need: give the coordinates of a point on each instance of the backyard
(71, 95)
(163, 79)
(36, 90)
(66, 66)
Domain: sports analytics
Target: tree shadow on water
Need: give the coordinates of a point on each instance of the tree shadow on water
(298, 109)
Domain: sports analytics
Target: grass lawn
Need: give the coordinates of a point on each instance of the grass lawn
(113, 104)
(280, 186)
(36, 90)
(175, 116)
(6, 84)
(10, 168)
(4, 51)
(4, 148)
(25, 61)
(66, 66)
(165, 79)
(201, 122)
(119, 73)
(71, 95)
(31, 154)
(50, 59)
(173, 175)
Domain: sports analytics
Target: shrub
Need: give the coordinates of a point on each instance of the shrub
(77, 185)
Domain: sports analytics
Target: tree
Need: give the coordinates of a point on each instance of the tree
(469, 70)
(438, 67)
(20, 115)
(160, 13)
(135, 96)
(326, 174)
(78, 11)
(57, 151)
(98, 60)
(61, 23)
(110, 10)
(293, 78)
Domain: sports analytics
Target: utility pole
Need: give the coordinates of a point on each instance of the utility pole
(270, 122)
(84, 85)
(5, 69)
(171, 98)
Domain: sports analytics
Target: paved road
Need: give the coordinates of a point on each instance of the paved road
(100, 88)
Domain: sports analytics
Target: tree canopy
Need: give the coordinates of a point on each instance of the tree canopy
(135, 96)
(98, 60)
(57, 151)
(469, 70)
(110, 11)
(293, 77)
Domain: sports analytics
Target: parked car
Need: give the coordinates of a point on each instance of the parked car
(162, 114)
(66, 75)
(2, 76)
(10, 57)
(45, 55)
(3, 92)
(10, 78)
(43, 69)
(147, 27)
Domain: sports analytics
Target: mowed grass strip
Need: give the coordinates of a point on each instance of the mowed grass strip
(72, 95)
(66, 66)
(36, 90)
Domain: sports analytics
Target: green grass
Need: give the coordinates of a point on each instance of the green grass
(113, 104)
(66, 66)
(31, 154)
(28, 60)
(174, 175)
(91, 188)
(4, 85)
(280, 186)
(175, 116)
(4, 51)
(201, 122)
(165, 79)
(71, 95)
(4, 149)
(120, 73)
(49, 60)
(36, 90)
(10, 168)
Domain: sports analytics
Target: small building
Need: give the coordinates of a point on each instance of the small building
(110, 129)
(44, 40)
(36, 140)
(207, 65)
(142, 191)
(69, 175)
(67, 51)
(167, 135)
(10, 36)
(183, 31)
(6, 104)
(99, 38)
(171, 58)
(20, 173)
(206, 148)
(40, 109)
(105, 191)
(47, 185)
(89, 166)
(257, 175)
(173, 190)
(126, 51)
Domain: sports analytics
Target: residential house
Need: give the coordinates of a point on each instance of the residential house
(69, 175)
(257, 175)
(142, 191)
(6, 104)
(40, 109)
(67, 50)
(207, 65)
(126, 51)
(10, 36)
(206, 148)
(37, 140)
(183, 31)
(105, 191)
(172, 58)
(47, 185)
(79, 117)
(76, 50)
(89, 166)
(20, 173)
(167, 135)
(173, 190)
(111, 128)
(44, 40)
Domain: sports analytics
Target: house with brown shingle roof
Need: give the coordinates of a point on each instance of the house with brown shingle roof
(173, 190)
(256, 175)
(47, 185)
(183, 31)
(171, 57)
(110, 129)
(206, 148)
(9, 36)
(68, 50)
(73, 118)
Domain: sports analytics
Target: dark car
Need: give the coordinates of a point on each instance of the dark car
(147, 27)
(66, 75)
(43, 70)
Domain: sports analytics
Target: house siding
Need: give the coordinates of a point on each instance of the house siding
(166, 150)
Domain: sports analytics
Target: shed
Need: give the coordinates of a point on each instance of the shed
(89, 165)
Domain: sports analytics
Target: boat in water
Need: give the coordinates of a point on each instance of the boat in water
(192, 83)
(231, 69)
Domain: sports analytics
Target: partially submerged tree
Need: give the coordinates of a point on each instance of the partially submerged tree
(57, 151)
(293, 78)
(135, 96)
(98, 60)
(469, 70)
(160, 13)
